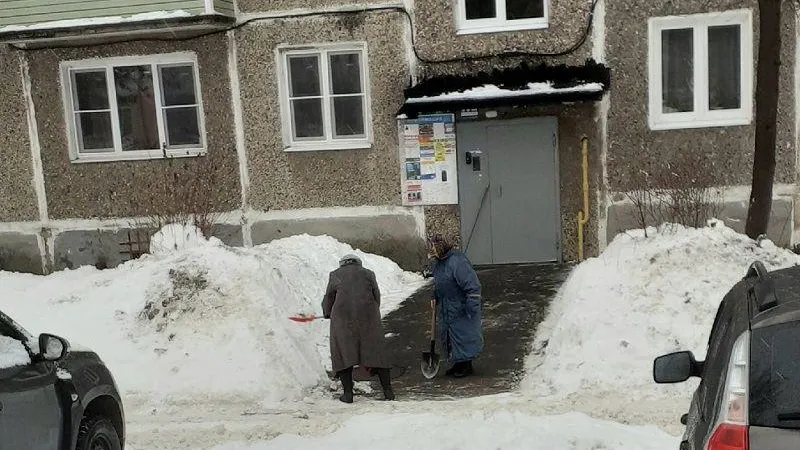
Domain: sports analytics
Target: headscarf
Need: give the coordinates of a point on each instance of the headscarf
(349, 259)
(440, 245)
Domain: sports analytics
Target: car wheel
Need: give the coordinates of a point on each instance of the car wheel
(97, 433)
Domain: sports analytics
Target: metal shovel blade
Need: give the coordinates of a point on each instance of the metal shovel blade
(430, 363)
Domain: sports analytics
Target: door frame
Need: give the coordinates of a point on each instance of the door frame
(560, 234)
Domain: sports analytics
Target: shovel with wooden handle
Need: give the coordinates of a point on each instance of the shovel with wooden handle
(430, 360)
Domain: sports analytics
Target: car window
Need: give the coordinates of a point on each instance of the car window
(12, 353)
(775, 376)
(716, 358)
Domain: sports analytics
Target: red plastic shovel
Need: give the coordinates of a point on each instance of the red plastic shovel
(304, 318)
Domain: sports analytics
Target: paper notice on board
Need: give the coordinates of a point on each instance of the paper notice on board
(411, 130)
(413, 170)
(438, 131)
(428, 168)
(428, 155)
(414, 193)
(411, 148)
(440, 152)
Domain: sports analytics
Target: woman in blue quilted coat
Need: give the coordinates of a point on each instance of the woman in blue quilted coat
(457, 292)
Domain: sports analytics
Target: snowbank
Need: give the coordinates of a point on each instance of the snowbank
(175, 237)
(641, 298)
(205, 322)
(477, 430)
(12, 353)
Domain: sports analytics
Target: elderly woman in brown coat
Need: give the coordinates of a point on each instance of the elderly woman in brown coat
(352, 303)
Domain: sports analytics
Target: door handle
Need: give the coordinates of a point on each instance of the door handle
(500, 190)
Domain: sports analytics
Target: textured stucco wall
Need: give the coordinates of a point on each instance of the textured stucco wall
(444, 220)
(437, 38)
(281, 180)
(17, 196)
(113, 189)
(252, 6)
(632, 145)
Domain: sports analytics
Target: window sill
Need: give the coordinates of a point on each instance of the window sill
(137, 156)
(468, 30)
(327, 146)
(664, 125)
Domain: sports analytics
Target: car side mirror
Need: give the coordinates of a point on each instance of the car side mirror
(676, 367)
(53, 348)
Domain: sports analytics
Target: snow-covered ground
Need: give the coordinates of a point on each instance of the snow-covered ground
(474, 429)
(219, 365)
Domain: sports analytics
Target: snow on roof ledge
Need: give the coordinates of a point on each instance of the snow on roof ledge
(109, 20)
(490, 91)
(500, 86)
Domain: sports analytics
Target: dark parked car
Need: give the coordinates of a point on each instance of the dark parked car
(55, 398)
(749, 392)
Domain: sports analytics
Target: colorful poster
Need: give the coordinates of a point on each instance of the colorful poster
(428, 154)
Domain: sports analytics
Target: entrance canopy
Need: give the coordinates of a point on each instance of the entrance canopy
(523, 85)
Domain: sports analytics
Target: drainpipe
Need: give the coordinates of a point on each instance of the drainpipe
(583, 216)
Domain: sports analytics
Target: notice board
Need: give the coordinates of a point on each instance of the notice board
(428, 159)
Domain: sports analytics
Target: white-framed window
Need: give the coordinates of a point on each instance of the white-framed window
(133, 107)
(701, 70)
(325, 101)
(489, 16)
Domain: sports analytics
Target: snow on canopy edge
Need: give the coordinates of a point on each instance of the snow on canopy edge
(488, 91)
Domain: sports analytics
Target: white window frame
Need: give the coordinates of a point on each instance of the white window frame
(701, 117)
(282, 53)
(498, 24)
(164, 59)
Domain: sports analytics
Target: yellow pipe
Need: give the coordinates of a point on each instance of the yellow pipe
(583, 216)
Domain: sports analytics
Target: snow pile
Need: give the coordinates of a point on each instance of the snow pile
(176, 237)
(477, 430)
(203, 323)
(12, 353)
(641, 298)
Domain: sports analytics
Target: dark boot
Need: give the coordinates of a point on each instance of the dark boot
(457, 367)
(386, 384)
(464, 370)
(346, 377)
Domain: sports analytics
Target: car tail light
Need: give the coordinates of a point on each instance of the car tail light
(729, 437)
(731, 431)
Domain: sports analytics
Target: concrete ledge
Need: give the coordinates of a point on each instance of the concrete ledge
(104, 248)
(231, 235)
(392, 236)
(99, 248)
(621, 218)
(20, 253)
(395, 234)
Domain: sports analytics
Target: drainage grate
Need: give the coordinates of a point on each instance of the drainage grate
(136, 245)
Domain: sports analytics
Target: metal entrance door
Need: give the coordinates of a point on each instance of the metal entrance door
(508, 190)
